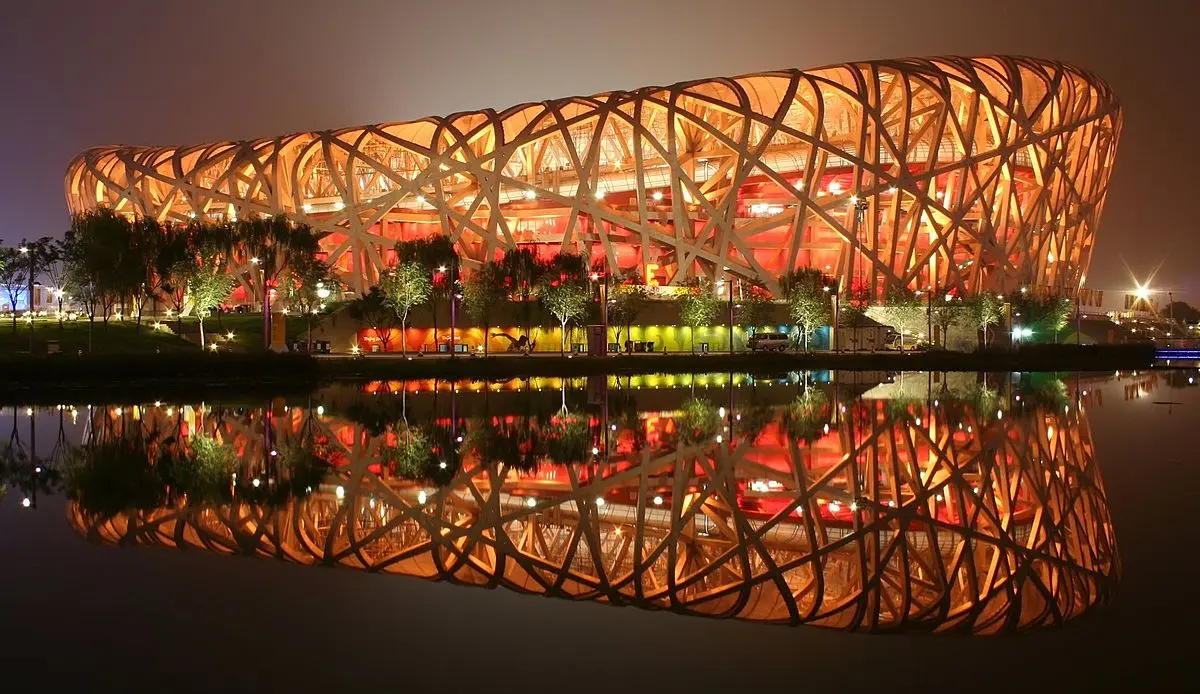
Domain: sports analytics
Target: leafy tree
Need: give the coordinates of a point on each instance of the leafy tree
(1044, 316)
(96, 253)
(945, 311)
(440, 259)
(56, 273)
(521, 270)
(482, 293)
(405, 286)
(807, 299)
(754, 307)
(307, 288)
(905, 305)
(278, 243)
(14, 277)
(626, 300)
(563, 289)
(984, 310)
(698, 307)
(173, 249)
(204, 273)
(374, 310)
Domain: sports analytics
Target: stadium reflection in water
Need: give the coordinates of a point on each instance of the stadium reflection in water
(972, 505)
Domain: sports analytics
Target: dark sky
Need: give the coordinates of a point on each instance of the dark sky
(75, 74)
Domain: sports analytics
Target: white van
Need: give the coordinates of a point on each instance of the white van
(770, 342)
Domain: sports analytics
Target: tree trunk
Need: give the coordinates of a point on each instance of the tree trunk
(200, 316)
(404, 335)
(487, 329)
(562, 338)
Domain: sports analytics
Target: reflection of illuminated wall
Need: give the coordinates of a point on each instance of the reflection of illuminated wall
(952, 172)
(894, 517)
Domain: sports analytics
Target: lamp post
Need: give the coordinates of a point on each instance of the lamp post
(322, 294)
(262, 274)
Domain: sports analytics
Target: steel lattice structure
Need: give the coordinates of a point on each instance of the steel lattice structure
(914, 517)
(963, 173)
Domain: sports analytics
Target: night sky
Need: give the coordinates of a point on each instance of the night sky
(77, 74)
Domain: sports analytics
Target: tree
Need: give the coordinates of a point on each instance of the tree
(1043, 316)
(482, 293)
(946, 310)
(440, 259)
(985, 310)
(626, 300)
(754, 307)
(807, 299)
(563, 289)
(278, 243)
(56, 273)
(14, 275)
(204, 274)
(307, 288)
(99, 261)
(698, 307)
(521, 270)
(173, 248)
(905, 306)
(374, 310)
(405, 286)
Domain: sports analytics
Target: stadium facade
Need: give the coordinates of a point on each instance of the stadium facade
(948, 173)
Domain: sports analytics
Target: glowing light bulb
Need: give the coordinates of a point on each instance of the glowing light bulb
(657, 500)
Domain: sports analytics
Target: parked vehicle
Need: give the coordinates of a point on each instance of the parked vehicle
(901, 343)
(769, 342)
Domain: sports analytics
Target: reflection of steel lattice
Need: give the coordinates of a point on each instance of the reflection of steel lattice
(926, 518)
(984, 172)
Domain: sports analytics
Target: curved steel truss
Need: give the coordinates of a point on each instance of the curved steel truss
(960, 173)
(893, 516)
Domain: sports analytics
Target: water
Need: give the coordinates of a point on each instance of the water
(1027, 517)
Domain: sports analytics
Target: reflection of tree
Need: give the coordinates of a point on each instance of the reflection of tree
(806, 416)
(204, 472)
(114, 475)
(623, 413)
(411, 455)
(567, 439)
(698, 420)
(26, 474)
(515, 443)
(755, 415)
(375, 414)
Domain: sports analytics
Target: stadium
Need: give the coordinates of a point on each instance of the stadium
(957, 174)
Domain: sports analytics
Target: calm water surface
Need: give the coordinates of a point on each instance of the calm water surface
(910, 524)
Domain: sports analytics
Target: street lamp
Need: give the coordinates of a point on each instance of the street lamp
(262, 273)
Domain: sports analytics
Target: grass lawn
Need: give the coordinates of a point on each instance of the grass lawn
(119, 337)
(246, 328)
